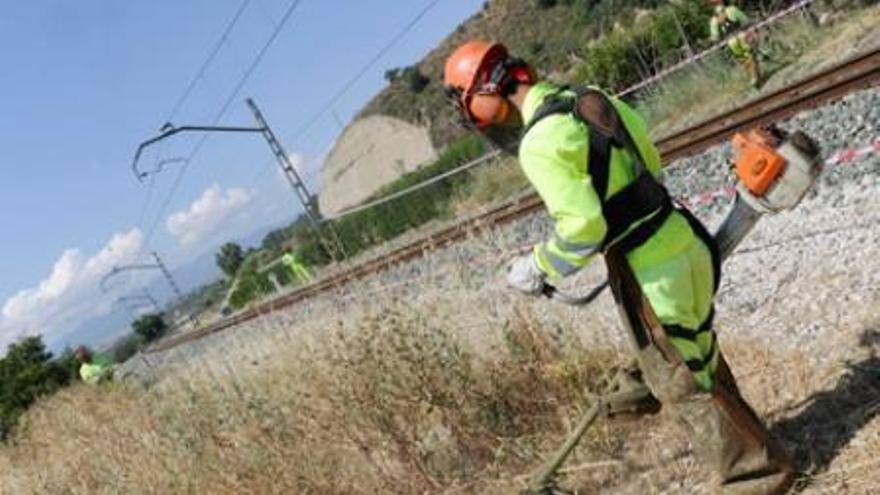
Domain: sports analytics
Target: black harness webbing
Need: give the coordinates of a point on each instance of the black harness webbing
(644, 198)
(644, 202)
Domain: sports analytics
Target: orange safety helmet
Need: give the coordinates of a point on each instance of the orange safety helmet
(479, 75)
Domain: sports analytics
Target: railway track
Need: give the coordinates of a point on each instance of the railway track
(856, 73)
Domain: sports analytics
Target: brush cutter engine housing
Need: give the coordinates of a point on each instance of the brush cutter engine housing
(774, 169)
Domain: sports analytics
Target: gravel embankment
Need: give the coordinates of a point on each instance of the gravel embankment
(808, 278)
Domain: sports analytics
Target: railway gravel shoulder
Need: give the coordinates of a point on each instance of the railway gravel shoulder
(831, 241)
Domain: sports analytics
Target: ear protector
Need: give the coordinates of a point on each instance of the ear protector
(487, 104)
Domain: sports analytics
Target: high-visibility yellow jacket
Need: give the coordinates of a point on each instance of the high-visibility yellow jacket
(673, 267)
(99, 369)
(726, 20)
(297, 267)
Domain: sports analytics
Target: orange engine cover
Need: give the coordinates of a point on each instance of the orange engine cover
(757, 162)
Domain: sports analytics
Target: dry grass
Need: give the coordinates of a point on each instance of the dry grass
(434, 398)
(394, 404)
(489, 185)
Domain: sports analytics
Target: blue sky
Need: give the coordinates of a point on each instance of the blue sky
(82, 83)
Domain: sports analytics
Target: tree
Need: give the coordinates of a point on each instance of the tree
(229, 258)
(251, 284)
(27, 372)
(150, 326)
(274, 240)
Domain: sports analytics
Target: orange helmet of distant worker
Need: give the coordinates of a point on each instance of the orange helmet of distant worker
(479, 76)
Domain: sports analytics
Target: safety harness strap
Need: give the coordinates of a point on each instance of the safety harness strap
(598, 164)
(644, 202)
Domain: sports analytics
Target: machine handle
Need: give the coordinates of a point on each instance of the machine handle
(551, 292)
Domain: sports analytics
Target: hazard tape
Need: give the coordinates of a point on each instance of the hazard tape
(846, 156)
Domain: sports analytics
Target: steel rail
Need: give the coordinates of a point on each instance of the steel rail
(859, 72)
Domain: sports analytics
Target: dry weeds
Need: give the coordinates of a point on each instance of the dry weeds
(458, 396)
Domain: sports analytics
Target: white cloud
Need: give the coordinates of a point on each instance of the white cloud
(207, 214)
(70, 294)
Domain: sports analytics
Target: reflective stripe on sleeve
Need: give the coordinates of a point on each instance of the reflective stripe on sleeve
(582, 249)
(553, 264)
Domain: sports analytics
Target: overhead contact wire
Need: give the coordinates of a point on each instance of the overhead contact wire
(238, 87)
(200, 74)
(351, 82)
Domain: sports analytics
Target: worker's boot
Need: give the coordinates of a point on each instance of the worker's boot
(628, 396)
(725, 432)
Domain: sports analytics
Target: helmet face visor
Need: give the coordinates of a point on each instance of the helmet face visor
(487, 81)
(456, 97)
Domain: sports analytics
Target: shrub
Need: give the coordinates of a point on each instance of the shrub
(150, 326)
(415, 80)
(28, 372)
(250, 283)
(364, 229)
(621, 58)
(372, 226)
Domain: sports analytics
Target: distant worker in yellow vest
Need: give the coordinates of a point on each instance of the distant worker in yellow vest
(93, 368)
(726, 22)
(293, 260)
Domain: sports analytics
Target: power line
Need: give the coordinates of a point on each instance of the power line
(187, 92)
(238, 87)
(351, 82)
(211, 56)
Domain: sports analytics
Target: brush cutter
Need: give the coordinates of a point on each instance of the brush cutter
(774, 171)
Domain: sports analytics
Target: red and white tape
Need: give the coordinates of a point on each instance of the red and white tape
(846, 156)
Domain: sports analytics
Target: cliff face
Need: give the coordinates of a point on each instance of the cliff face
(400, 127)
(371, 153)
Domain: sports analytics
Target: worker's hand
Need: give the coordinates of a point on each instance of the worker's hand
(524, 275)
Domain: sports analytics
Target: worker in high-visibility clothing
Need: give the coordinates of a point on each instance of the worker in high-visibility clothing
(591, 160)
(293, 261)
(729, 21)
(94, 368)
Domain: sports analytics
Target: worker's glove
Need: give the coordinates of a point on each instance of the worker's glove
(524, 275)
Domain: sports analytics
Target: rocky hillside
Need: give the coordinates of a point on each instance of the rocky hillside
(552, 34)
